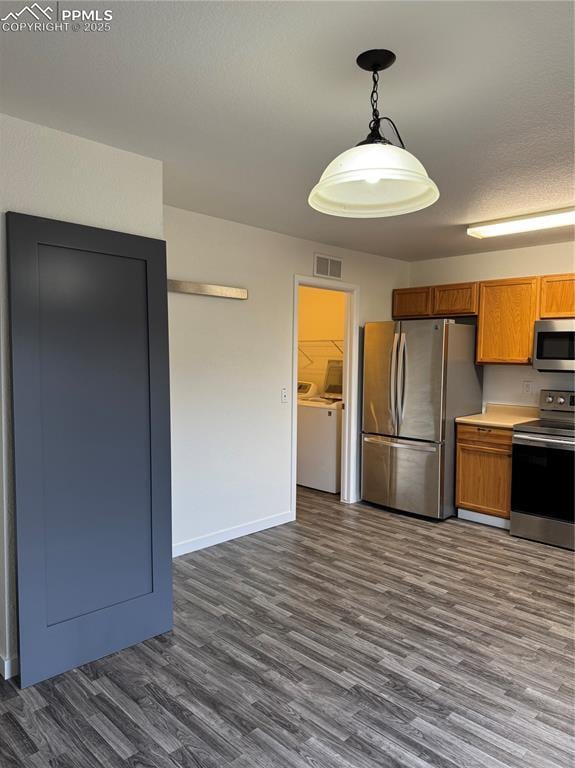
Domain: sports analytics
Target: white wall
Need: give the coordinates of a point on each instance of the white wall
(504, 383)
(231, 435)
(518, 262)
(57, 175)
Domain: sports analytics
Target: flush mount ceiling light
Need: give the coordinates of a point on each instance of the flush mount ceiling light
(375, 178)
(530, 223)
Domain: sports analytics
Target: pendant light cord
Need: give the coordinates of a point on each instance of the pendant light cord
(394, 126)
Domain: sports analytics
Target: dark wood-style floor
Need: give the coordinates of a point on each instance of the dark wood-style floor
(352, 638)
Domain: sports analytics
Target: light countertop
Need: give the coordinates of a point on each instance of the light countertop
(498, 415)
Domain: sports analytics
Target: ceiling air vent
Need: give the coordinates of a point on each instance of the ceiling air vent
(327, 266)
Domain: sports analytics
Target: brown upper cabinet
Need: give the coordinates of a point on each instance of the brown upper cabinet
(507, 312)
(411, 302)
(557, 296)
(506, 309)
(454, 299)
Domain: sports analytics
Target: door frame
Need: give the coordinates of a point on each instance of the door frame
(350, 492)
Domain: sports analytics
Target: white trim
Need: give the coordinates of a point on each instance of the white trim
(350, 434)
(478, 517)
(8, 667)
(226, 534)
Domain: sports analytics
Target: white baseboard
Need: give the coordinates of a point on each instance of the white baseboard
(8, 667)
(227, 534)
(477, 517)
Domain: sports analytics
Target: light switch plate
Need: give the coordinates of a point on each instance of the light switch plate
(284, 395)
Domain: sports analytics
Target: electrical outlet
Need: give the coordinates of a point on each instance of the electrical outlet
(527, 387)
(284, 395)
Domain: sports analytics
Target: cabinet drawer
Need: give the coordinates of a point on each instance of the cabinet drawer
(455, 299)
(494, 436)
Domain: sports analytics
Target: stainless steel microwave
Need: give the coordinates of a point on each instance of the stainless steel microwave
(554, 345)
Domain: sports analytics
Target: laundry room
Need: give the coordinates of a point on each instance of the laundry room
(321, 350)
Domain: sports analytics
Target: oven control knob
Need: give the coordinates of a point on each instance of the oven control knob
(560, 400)
(549, 399)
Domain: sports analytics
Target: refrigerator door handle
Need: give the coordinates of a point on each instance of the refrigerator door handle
(411, 446)
(393, 382)
(402, 362)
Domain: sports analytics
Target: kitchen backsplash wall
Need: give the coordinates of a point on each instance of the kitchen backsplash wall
(313, 358)
(520, 384)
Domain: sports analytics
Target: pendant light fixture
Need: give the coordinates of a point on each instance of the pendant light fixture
(375, 178)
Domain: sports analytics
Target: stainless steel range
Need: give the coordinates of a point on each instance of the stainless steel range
(542, 489)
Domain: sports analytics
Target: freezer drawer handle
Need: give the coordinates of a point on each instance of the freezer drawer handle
(410, 446)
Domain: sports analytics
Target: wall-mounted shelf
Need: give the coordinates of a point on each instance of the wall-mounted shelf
(207, 289)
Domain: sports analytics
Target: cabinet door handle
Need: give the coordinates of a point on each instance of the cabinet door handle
(484, 429)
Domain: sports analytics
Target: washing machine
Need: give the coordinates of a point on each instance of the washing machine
(319, 443)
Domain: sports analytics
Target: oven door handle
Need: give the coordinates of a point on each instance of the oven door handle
(544, 442)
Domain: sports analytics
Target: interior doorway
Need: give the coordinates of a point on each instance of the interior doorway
(325, 368)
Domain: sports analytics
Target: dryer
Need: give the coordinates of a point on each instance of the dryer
(319, 444)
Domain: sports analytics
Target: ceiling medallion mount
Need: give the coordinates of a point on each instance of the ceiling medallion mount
(378, 177)
(376, 59)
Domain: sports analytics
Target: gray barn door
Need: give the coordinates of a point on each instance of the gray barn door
(88, 321)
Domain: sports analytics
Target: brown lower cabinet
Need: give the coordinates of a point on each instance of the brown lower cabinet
(483, 470)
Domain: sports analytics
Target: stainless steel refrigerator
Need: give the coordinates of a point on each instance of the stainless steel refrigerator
(418, 376)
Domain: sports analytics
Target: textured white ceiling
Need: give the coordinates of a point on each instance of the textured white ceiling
(246, 102)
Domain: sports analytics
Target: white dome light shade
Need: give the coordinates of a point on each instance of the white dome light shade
(371, 181)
